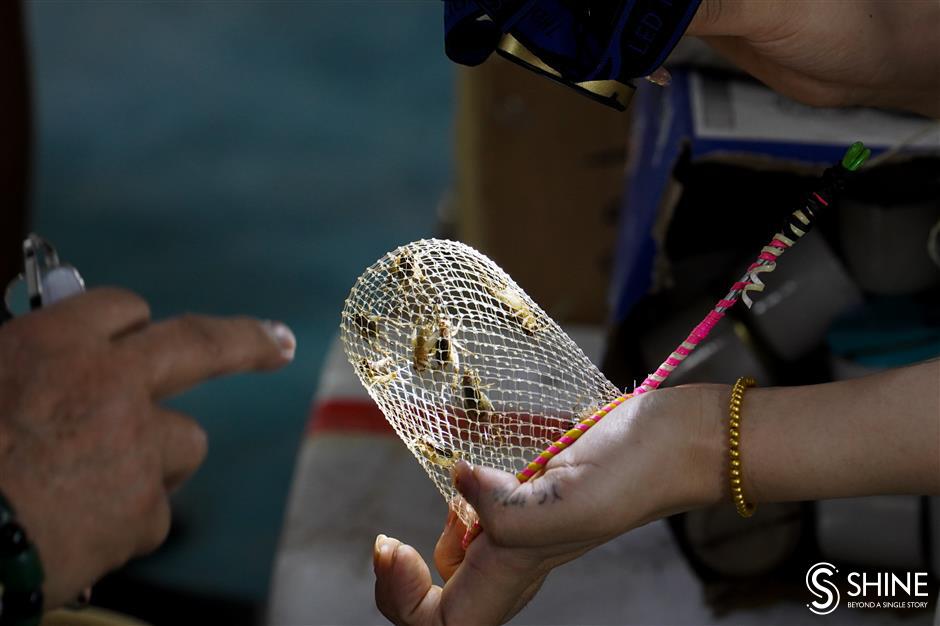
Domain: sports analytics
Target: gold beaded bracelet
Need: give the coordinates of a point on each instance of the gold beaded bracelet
(745, 509)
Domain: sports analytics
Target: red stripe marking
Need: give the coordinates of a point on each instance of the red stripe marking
(820, 198)
(347, 415)
(351, 415)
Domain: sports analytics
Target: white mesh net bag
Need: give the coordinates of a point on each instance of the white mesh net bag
(463, 363)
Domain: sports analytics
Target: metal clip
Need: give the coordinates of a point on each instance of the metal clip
(46, 279)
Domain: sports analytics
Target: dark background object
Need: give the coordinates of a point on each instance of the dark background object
(725, 213)
(16, 144)
(235, 158)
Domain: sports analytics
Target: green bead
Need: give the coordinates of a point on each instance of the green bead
(855, 156)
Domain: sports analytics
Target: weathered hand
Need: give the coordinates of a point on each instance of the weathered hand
(839, 53)
(655, 455)
(87, 455)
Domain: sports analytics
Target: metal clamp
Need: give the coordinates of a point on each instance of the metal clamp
(46, 279)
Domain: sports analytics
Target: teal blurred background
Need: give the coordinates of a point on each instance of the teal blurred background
(238, 158)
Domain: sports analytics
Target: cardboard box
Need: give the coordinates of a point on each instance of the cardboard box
(539, 181)
(705, 119)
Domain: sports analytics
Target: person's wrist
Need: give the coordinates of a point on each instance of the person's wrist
(682, 440)
(702, 411)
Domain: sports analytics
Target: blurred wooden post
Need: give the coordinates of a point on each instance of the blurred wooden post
(540, 176)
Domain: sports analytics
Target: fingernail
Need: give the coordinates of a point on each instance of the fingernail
(465, 481)
(386, 549)
(381, 553)
(283, 336)
(379, 542)
(470, 535)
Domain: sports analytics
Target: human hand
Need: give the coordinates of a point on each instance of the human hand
(837, 53)
(662, 453)
(657, 454)
(87, 455)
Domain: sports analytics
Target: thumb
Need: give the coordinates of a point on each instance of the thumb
(403, 590)
(497, 497)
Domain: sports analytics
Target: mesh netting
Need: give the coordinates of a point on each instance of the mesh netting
(463, 363)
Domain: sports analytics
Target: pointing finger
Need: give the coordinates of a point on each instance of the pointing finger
(185, 351)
